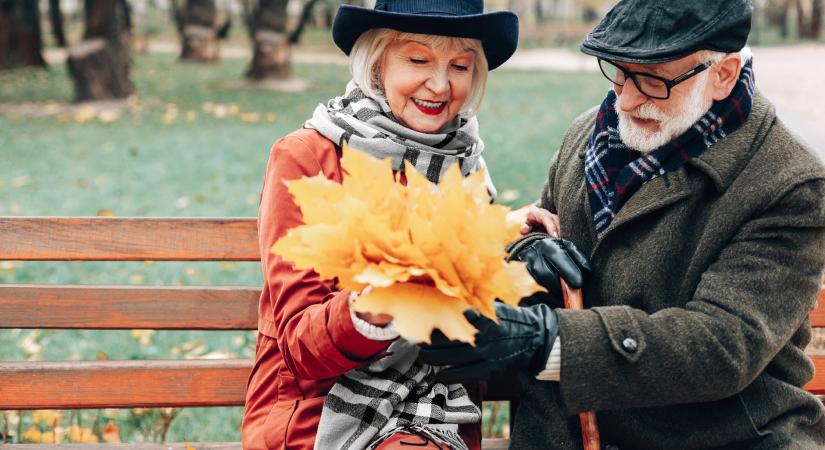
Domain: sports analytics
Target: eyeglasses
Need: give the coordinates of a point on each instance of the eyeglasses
(648, 84)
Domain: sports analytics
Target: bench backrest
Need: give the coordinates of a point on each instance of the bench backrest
(159, 383)
(126, 384)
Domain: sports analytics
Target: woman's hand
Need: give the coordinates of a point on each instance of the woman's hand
(541, 217)
(379, 320)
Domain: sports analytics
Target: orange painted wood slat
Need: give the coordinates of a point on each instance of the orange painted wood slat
(144, 446)
(818, 315)
(122, 384)
(128, 239)
(817, 385)
(486, 444)
(495, 444)
(129, 307)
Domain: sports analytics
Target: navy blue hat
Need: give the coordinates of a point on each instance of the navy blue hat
(655, 31)
(497, 31)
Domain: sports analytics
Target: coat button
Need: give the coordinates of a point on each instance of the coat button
(630, 345)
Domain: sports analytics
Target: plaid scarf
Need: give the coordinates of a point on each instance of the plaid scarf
(614, 172)
(397, 393)
(367, 124)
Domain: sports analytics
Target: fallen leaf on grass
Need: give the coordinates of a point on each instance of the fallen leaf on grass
(46, 417)
(111, 433)
(81, 435)
(143, 337)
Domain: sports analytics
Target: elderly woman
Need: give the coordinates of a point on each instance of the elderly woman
(322, 377)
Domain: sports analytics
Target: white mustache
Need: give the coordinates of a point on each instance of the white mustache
(646, 111)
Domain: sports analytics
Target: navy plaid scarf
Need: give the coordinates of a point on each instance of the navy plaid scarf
(614, 172)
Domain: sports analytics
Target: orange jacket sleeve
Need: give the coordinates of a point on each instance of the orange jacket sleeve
(310, 320)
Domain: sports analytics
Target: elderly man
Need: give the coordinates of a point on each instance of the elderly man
(704, 221)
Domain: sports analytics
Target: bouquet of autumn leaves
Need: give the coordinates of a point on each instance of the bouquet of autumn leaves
(429, 252)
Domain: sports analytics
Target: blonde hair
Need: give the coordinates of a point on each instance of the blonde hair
(368, 52)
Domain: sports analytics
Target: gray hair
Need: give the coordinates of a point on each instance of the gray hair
(368, 52)
(713, 57)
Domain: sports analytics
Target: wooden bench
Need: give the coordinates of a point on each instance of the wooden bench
(28, 385)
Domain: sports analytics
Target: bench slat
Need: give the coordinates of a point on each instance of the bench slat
(818, 315)
(129, 384)
(128, 239)
(817, 385)
(122, 384)
(170, 446)
(495, 444)
(129, 307)
(486, 444)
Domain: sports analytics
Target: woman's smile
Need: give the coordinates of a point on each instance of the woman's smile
(430, 108)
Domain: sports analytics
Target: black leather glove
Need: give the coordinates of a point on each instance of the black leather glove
(549, 258)
(518, 346)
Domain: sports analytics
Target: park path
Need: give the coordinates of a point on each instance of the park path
(791, 76)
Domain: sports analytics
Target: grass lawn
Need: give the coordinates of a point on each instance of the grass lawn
(189, 146)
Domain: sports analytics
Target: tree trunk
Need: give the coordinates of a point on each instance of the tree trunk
(801, 29)
(776, 13)
(100, 63)
(783, 20)
(200, 40)
(306, 16)
(271, 44)
(177, 15)
(21, 43)
(56, 20)
(816, 19)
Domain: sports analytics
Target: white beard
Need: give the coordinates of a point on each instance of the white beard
(671, 126)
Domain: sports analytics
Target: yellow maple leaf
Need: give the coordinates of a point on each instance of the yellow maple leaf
(430, 252)
(417, 301)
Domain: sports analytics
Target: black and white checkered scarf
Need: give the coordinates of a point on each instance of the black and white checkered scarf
(397, 393)
(367, 124)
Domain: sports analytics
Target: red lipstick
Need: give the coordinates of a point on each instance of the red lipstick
(431, 111)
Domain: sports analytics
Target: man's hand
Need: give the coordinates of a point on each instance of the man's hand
(519, 345)
(538, 218)
(550, 258)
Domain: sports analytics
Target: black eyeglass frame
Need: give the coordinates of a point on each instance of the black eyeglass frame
(669, 84)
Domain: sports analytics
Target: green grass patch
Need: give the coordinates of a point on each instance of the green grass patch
(190, 146)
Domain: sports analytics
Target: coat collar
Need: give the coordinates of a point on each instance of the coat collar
(723, 162)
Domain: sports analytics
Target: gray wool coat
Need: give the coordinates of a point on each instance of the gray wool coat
(698, 304)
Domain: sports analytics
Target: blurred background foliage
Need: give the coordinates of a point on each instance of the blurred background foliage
(183, 128)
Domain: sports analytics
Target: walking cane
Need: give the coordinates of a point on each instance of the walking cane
(590, 430)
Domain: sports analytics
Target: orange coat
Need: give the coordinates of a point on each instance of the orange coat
(306, 339)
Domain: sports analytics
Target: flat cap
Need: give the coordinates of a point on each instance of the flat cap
(656, 31)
